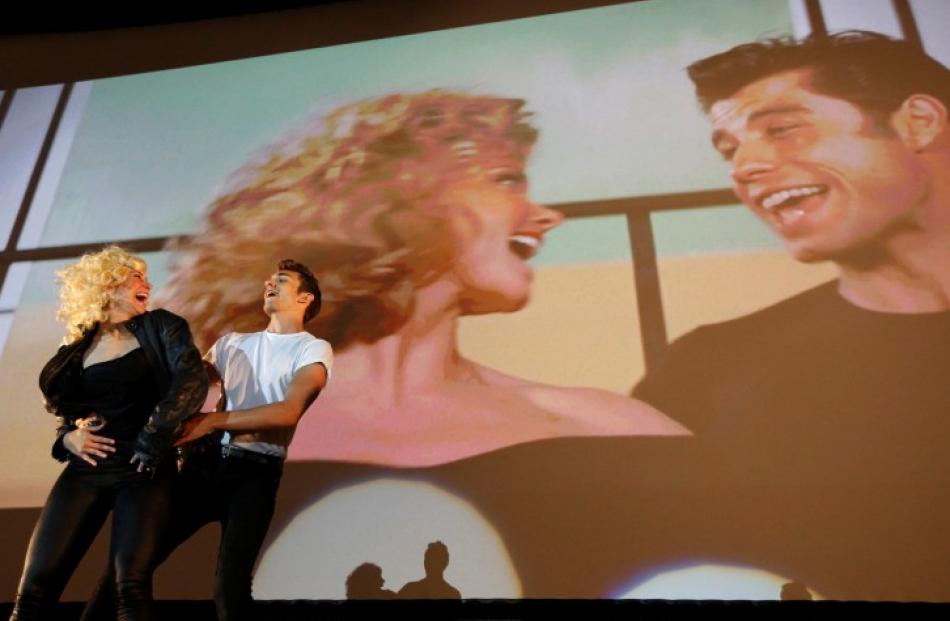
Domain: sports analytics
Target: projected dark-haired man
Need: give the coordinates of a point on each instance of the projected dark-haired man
(841, 146)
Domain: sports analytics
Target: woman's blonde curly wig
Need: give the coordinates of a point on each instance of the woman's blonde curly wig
(356, 196)
(86, 287)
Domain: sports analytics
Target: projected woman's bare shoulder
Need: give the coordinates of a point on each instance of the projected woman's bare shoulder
(413, 211)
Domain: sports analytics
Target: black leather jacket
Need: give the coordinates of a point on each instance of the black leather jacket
(179, 375)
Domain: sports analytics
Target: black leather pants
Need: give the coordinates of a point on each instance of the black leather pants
(74, 513)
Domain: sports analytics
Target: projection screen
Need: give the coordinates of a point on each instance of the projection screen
(564, 347)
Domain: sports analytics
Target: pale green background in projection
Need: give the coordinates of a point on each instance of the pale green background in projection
(607, 85)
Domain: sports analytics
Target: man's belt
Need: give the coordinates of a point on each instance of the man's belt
(230, 450)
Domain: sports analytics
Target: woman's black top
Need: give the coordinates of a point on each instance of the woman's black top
(123, 392)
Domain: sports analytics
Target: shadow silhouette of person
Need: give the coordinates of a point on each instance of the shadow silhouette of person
(433, 586)
(795, 591)
(366, 582)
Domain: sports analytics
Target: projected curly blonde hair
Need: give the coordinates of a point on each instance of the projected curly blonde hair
(356, 197)
(87, 286)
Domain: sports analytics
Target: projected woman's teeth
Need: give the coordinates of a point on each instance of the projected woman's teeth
(525, 246)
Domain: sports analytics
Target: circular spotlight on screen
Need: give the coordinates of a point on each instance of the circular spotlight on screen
(709, 581)
(387, 522)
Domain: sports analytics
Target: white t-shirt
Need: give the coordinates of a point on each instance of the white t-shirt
(256, 369)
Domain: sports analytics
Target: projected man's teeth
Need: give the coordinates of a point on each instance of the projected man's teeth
(781, 198)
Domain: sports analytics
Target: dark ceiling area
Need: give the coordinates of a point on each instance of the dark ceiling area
(43, 18)
(42, 44)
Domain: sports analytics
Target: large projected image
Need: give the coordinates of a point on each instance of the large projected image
(578, 350)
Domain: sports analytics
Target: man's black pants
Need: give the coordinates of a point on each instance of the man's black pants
(239, 491)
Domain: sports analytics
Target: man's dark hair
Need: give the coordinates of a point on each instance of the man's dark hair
(308, 284)
(871, 70)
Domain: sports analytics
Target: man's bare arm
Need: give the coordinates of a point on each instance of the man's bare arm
(304, 388)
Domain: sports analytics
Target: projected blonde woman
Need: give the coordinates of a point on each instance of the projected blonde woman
(413, 212)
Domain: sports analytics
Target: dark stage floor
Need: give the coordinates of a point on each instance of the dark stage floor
(525, 610)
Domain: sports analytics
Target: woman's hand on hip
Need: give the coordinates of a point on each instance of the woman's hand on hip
(88, 446)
